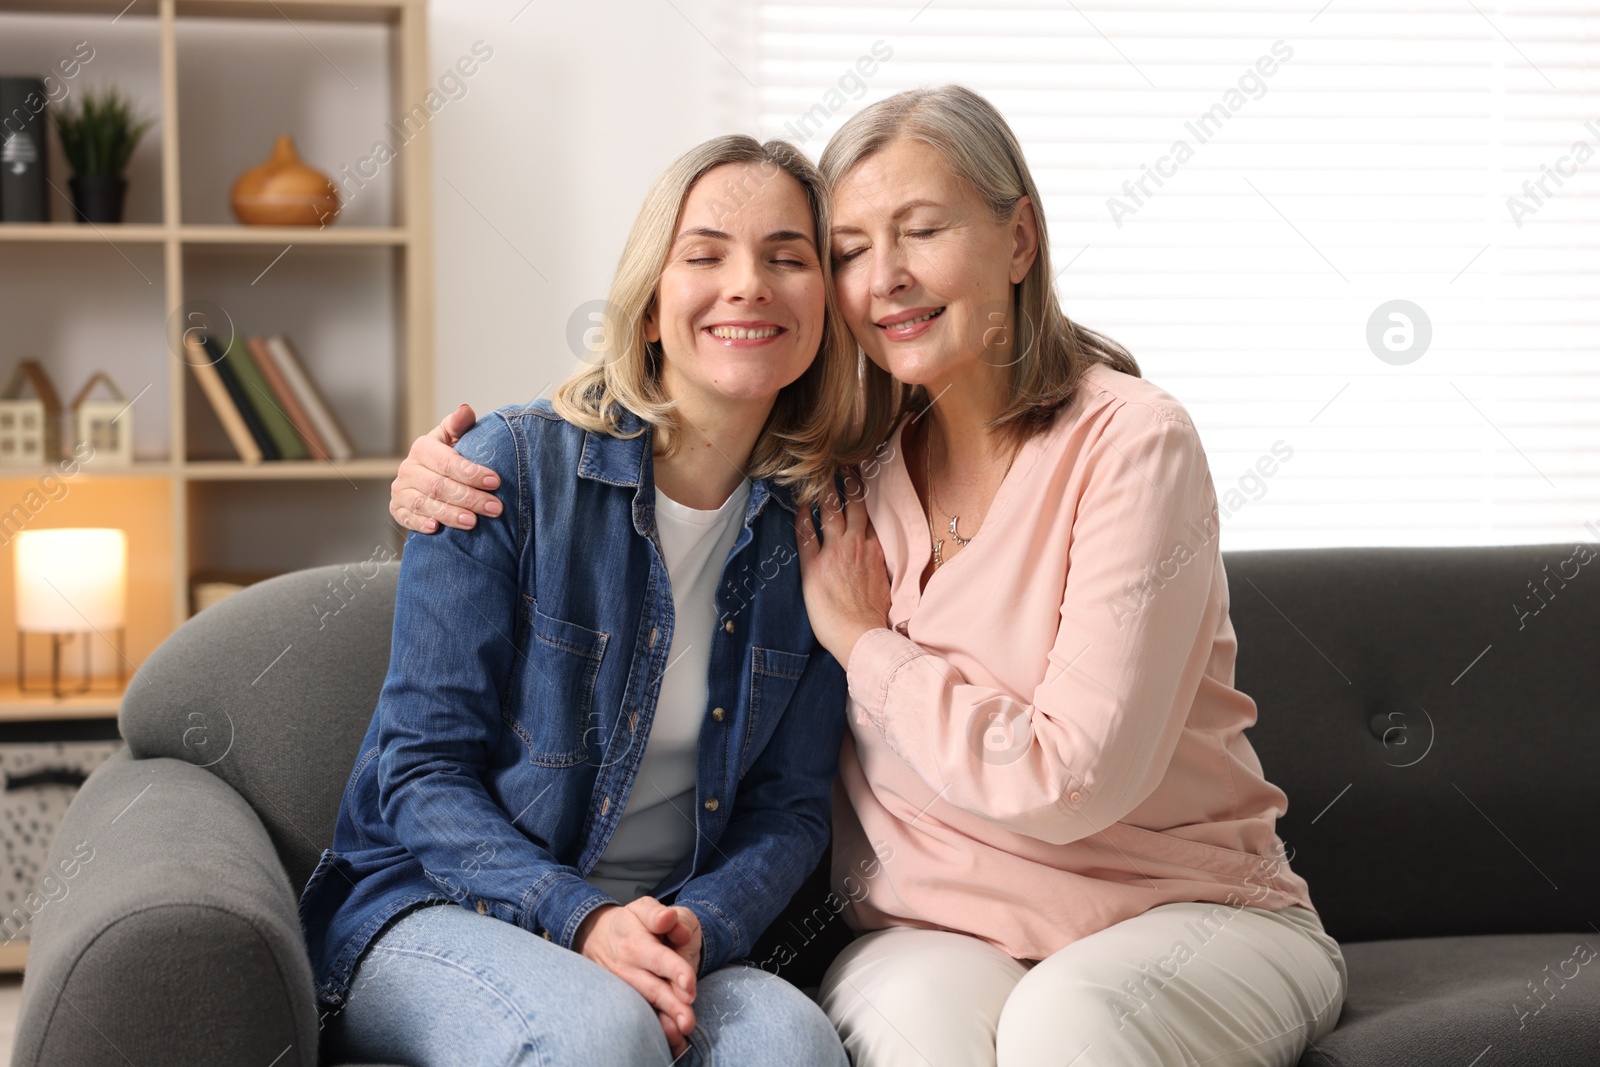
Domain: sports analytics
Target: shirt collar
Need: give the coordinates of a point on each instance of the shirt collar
(625, 461)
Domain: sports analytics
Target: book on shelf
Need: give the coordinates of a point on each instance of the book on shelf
(241, 402)
(202, 359)
(290, 402)
(23, 150)
(317, 410)
(289, 443)
(266, 401)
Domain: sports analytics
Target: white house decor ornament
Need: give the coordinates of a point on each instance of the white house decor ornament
(30, 427)
(105, 425)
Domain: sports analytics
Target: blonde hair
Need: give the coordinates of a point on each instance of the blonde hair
(811, 414)
(981, 149)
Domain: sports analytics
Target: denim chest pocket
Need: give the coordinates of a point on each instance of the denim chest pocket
(774, 674)
(554, 698)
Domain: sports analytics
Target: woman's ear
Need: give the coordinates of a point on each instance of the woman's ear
(1024, 240)
(652, 328)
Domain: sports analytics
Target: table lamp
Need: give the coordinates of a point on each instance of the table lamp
(70, 584)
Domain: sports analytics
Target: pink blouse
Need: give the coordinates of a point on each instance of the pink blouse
(1048, 740)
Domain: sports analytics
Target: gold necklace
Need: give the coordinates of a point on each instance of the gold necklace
(933, 505)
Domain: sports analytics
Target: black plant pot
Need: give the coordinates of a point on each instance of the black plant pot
(98, 198)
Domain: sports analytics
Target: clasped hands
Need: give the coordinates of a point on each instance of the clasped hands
(656, 950)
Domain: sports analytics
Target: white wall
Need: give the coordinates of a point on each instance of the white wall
(540, 167)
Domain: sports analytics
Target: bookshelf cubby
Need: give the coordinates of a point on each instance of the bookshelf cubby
(222, 78)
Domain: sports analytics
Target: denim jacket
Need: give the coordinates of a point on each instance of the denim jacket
(526, 661)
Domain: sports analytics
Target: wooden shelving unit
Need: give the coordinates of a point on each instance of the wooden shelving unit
(99, 703)
(149, 233)
(223, 78)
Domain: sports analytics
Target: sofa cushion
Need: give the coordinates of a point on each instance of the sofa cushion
(1435, 736)
(1528, 1000)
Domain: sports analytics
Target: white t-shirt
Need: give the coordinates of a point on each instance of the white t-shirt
(657, 827)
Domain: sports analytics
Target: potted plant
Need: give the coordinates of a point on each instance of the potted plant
(98, 137)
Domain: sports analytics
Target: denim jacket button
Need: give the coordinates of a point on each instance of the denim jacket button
(547, 935)
(483, 907)
(654, 633)
(728, 626)
(711, 803)
(605, 805)
(718, 714)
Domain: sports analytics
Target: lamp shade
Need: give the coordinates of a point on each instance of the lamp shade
(69, 581)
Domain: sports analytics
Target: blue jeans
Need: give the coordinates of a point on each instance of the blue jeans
(443, 986)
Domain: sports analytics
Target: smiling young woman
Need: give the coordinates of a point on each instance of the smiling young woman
(1079, 861)
(587, 740)
(743, 316)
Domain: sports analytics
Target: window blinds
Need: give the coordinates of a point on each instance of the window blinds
(1358, 242)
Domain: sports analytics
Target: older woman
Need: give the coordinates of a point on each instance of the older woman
(1076, 859)
(614, 765)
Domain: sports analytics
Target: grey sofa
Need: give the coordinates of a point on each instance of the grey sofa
(1438, 741)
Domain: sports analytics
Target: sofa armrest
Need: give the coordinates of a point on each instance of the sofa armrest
(169, 934)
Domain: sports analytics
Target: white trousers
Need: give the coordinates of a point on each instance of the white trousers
(1182, 984)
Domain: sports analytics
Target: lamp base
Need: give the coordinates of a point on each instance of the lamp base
(85, 681)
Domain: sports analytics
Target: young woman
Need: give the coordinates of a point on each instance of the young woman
(1046, 753)
(599, 738)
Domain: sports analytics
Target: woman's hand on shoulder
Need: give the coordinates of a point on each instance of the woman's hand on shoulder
(437, 484)
(843, 577)
(627, 941)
